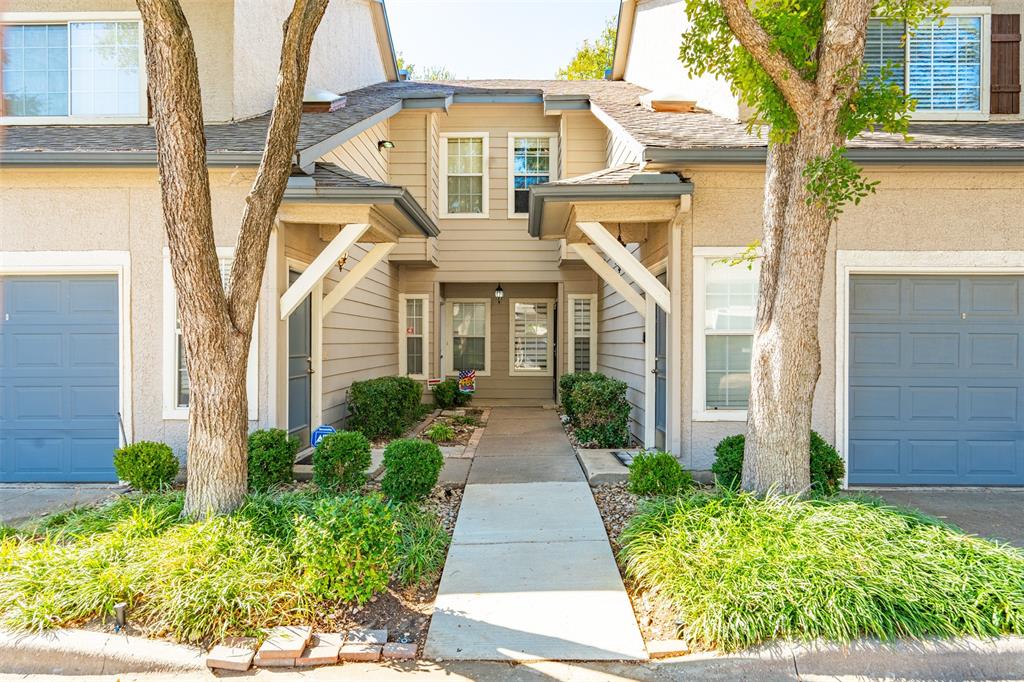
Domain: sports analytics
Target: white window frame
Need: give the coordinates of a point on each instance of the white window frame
(552, 167)
(449, 370)
(571, 331)
(403, 348)
(171, 409)
(701, 256)
(486, 181)
(21, 18)
(550, 359)
(985, 14)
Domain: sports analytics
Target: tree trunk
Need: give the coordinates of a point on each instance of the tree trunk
(216, 325)
(786, 357)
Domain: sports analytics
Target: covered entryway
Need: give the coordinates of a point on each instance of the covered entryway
(59, 378)
(936, 380)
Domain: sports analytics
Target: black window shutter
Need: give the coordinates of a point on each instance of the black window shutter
(1005, 64)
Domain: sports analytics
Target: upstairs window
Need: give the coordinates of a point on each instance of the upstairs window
(464, 160)
(941, 65)
(76, 70)
(530, 157)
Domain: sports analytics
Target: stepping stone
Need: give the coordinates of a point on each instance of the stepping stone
(287, 641)
(667, 648)
(367, 636)
(230, 657)
(263, 662)
(322, 650)
(399, 651)
(352, 652)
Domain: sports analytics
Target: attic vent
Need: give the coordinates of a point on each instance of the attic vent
(321, 101)
(667, 101)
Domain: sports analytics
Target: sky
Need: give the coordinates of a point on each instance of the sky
(495, 38)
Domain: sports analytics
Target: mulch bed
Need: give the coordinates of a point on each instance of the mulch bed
(464, 426)
(655, 616)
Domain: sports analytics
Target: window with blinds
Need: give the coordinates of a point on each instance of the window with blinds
(730, 302)
(582, 327)
(468, 324)
(531, 330)
(939, 64)
(415, 325)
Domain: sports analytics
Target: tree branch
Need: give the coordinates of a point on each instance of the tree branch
(798, 92)
(842, 41)
(275, 166)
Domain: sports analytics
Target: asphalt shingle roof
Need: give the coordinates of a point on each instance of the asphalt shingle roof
(618, 99)
(331, 175)
(618, 175)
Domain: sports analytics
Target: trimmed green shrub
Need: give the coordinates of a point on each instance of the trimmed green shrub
(340, 461)
(385, 406)
(602, 412)
(147, 466)
(346, 549)
(658, 473)
(736, 570)
(447, 394)
(440, 433)
(827, 467)
(271, 458)
(566, 384)
(411, 468)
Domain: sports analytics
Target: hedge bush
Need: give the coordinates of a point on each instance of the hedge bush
(411, 468)
(658, 473)
(447, 394)
(827, 467)
(147, 466)
(385, 406)
(566, 384)
(347, 548)
(271, 458)
(601, 412)
(340, 461)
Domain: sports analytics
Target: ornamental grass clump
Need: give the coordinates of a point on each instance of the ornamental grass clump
(280, 559)
(739, 570)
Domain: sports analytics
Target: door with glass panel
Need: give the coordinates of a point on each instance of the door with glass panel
(300, 367)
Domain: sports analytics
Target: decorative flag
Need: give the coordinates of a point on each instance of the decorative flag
(467, 381)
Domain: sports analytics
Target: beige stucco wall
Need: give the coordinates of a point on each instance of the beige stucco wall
(915, 209)
(344, 56)
(119, 210)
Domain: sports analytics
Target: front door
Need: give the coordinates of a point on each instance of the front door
(300, 367)
(660, 373)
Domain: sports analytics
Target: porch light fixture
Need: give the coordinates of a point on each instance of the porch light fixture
(499, 294)
(342, 261)
(385, 144)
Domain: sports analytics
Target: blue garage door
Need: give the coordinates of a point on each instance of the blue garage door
(936, 380)
(58, 378)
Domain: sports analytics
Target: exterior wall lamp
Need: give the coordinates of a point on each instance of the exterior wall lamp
(385, 144)
(499, 294)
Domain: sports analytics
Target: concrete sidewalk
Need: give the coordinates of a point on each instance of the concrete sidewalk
(530, 574)
(20, 502)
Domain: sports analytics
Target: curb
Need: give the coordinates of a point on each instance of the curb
(83, 652)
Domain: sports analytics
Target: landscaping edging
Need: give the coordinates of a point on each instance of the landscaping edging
(84, 652)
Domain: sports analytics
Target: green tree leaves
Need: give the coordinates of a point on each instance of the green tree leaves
(592, 58)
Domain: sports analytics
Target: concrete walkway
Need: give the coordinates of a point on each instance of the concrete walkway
(530, 574)
(20, 502)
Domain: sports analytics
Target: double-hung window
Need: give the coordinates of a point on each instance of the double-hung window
(414, 323)
(80, 68)
(464, 158)
(943, 64)
(176, 381)
(469, 335)
(725, 304)
(530, 331)
(582, 330)
(530, 162)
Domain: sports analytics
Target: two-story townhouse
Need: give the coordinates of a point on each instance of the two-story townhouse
(525, 229)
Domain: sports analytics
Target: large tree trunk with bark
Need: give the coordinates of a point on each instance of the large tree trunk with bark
(786, 357)
(216, 321)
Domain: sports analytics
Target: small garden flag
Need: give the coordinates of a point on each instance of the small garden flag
(467, 381)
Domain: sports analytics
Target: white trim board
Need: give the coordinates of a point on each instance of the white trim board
(907, 263)
(87, 263)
